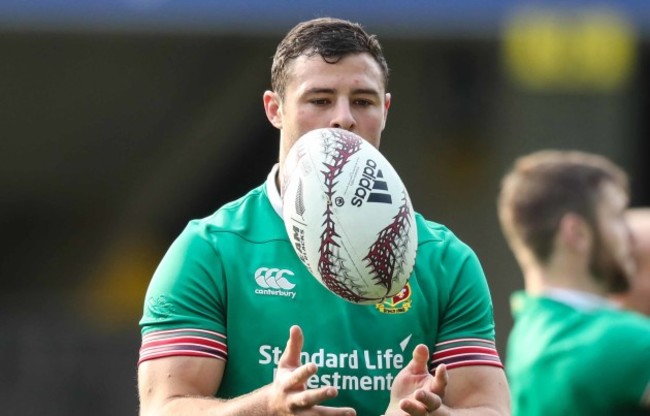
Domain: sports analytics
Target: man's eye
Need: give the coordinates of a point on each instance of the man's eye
(320, 101)
(363, 103)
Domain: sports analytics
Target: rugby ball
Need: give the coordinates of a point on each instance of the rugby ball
(348, 216)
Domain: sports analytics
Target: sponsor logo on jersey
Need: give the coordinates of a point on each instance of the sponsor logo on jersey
(372, 187)
(159, 307)
(400, 303)
(274, 282)
(356, 369)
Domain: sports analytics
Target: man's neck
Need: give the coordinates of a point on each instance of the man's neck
(539, 280)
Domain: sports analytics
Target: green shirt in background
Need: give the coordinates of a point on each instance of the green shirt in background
(575, 356)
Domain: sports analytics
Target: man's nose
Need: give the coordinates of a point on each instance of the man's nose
(343, 117)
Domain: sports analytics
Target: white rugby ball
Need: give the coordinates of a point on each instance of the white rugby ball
(348, 216)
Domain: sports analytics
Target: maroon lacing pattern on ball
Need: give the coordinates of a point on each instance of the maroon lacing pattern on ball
(334, 273)
(389, 248)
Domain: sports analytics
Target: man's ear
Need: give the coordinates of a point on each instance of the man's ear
(575, 233)
(273, 108)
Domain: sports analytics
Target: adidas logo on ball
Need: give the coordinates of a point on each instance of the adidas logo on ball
(369, 182)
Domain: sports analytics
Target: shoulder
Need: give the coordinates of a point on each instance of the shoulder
(625, 328)
(449, 268)
(599, 333)
(431, 232)
(615, 343)
(439, 244)
(251, 218)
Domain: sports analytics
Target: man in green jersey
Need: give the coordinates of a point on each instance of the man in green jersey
(571, 350)
(638, 296)
(231, 288)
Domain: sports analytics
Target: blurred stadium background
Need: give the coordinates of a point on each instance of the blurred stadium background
(121, 120)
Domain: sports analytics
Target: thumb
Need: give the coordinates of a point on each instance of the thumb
(420, 358)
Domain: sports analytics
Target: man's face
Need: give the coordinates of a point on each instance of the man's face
(638, 297)
(348, 94)
(612, 262)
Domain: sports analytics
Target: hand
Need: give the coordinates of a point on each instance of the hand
(415, 392)
(288, 393)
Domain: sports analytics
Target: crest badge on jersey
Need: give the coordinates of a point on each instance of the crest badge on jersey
(400, 303)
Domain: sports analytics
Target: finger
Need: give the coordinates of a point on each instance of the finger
(291, 355)
(420, 357)
(298, 377)
(310, 398)
(423, 403)
(429, 400)
(440, 380)
(333, 411)
(412, 407)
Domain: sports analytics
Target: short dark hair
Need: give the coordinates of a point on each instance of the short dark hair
(331, 38)
(544, 186)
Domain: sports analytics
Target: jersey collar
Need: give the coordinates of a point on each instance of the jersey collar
(272, 190)
(577, 299)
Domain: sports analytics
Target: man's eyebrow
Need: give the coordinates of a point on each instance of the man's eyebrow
(320, 91)
(365, 91)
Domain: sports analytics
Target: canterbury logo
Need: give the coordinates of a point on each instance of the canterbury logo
(272, 278)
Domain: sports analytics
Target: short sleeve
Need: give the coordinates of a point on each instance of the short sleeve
(184, 311)
(466, 334)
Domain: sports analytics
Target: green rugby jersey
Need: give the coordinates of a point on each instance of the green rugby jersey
(231, 285)
(569, 354)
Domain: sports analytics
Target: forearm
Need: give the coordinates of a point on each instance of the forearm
(251, 404)
(478, 411)
(447, 411)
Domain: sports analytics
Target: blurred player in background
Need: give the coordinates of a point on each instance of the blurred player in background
(638, 296)
(571, 350)
(215, 342)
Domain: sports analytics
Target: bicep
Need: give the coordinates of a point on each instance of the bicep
(478, 386)
(163, 379)
(466, 308)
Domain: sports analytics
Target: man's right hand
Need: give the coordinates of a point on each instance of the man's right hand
(288, 394)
